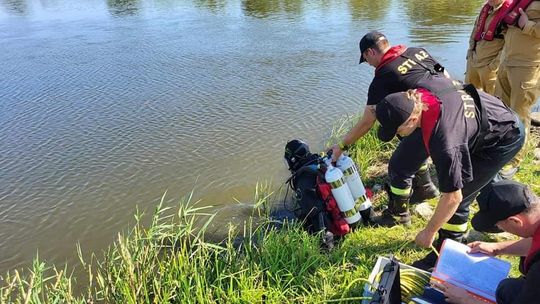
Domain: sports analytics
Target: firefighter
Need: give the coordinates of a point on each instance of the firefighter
(514, 208)
(518, 78)
(470, 135)
(397, 68)
(485, 45)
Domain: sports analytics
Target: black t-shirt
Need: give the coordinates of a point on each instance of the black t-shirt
(456, 131)
(400, 74)
(530, 293)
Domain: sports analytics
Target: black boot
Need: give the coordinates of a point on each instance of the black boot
(422, 187)
(397, 212)
(368, 216)
(428, 262)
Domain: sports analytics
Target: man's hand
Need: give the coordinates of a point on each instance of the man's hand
(469, 55)
(336, 152)
(484, 247)
(446, 207)
(425, 238)
(454, 294)
(523, 19)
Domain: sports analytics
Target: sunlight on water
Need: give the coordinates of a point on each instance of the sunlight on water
(105, 105)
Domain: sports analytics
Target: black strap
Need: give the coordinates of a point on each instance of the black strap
(483, 128)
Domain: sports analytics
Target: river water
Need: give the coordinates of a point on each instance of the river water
(105, 105)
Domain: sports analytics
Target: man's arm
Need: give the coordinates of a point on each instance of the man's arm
(472, 42)
(456, 295)
(362, 126)
(446, 207)
(360, 129)
(514, 247)
(496, 62)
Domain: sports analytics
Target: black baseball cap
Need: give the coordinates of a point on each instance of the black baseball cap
(391, 113)
(501, 200)
(368, 41)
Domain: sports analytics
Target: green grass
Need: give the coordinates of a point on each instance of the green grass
(529, 171)
(369, 152)
(171, 261)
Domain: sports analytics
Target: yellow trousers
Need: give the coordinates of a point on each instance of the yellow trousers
(482, 78)
(518, 87)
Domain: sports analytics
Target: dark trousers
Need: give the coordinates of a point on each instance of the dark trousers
(411, 154)
(408, 157)
(486, 165)
(508, 290)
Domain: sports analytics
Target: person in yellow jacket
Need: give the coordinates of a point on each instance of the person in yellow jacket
(518, 78)
(485, 46)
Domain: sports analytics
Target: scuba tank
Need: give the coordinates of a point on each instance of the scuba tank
(353, 180)
(341, 193)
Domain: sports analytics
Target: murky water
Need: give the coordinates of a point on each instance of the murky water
(105, 105)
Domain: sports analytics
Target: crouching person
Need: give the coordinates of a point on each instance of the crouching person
(512, 207)
(470, 135)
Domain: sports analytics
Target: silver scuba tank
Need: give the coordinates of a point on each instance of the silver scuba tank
(354, 182)
(341, 193)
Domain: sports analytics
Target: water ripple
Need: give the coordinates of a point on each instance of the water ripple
(100, 115)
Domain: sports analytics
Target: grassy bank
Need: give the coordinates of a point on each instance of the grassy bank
(170, 261)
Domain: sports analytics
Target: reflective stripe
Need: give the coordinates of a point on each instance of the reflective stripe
(402, 192)
(336, 184)
(359, 202)
(455, 227)
(423, 168)
(350, 213)
(362, 203)
(351, 170)
(362, 199)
